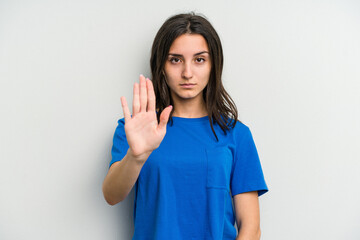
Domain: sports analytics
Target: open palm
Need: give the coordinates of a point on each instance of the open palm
(143, 132)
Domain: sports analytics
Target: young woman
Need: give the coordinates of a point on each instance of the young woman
(183, 149)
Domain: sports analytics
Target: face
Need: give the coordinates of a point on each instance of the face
(187, 68)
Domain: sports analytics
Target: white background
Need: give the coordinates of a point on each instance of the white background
(292, 67)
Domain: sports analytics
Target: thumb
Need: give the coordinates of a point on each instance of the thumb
(164, 117)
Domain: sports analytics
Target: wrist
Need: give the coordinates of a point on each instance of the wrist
(138, 158)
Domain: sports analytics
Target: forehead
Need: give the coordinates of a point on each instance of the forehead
(189, 44)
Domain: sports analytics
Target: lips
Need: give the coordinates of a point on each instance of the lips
(187, 85)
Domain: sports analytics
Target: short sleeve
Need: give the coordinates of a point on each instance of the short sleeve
(120, 144)
(247, 174)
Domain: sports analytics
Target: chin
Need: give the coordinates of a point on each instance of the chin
(187, 96)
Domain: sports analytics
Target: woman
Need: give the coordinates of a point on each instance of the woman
(183, 148)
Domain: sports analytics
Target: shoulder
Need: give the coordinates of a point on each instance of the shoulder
(120, 128)
(237, 126)
(239, 131)
(240, 126)
(121, 121)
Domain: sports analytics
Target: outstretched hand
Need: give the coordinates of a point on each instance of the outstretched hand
(143, 132)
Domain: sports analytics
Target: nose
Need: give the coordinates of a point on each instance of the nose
(187, 71)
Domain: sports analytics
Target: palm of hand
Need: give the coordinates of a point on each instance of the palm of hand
(143, 132)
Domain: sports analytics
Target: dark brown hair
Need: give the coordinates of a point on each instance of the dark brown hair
(220, 107)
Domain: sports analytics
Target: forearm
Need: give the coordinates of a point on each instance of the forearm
(121, 178)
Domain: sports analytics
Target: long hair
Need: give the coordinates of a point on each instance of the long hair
(220, 107)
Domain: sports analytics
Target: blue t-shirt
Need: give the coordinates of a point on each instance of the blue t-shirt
(185, 187)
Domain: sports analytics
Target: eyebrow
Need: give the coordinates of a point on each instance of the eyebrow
(179, 55)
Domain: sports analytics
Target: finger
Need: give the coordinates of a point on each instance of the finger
(136, 99)
(143, 94)
(151, 96)
(126, 110)
(164, 117)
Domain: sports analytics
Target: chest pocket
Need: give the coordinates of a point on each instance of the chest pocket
(219, 163)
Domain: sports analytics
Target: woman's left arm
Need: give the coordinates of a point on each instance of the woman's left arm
(247, 215)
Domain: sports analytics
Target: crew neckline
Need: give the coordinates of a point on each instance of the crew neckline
(183, 119)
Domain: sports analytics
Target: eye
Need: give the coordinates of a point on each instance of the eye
(200, 60)
(175, 60)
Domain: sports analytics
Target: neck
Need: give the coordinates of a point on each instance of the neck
(190, 108)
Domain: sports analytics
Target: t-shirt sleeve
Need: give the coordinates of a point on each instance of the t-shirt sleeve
(120, 144)
(247, 174)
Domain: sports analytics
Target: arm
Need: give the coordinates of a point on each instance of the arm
(121, 178)
(247, 215)
(143, 134)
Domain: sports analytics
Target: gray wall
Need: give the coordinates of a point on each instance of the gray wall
(291, 66)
